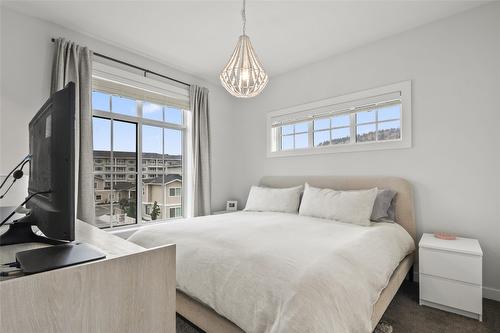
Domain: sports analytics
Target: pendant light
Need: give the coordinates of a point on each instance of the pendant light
(244, 75)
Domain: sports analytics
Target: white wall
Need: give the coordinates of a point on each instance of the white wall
(454, 165)
(25, 65)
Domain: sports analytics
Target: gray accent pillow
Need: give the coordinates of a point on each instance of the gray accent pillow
(381, 207)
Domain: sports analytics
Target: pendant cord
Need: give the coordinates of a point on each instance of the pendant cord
(244, 17)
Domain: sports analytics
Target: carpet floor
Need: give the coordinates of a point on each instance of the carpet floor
(407, 316)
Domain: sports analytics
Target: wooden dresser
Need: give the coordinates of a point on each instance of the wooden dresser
(450, 275)
(132, 290)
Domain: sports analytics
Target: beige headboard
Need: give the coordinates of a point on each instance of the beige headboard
(405, 215)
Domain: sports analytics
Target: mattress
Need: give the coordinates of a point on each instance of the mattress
(275, 272)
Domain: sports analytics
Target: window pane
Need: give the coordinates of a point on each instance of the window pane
(102, 202)
(341, 135)
(152, 111)
(174, 164)
(153, 197)
(124, 137)
(287, 142)
(365, 117)
(100, 101)
(339, 121)
(153, 169)
(287, 129)
(123, 105)
(301, 141)
(301, 127)
(102, 158)
(173, 190)
(173, 141)
(152, 138)
(124, 200)
(320, 124)
(173, 176)
(389, 112)
(365, 133)
(390, 130)
(173, 115)
(101, 133)
(321, 138)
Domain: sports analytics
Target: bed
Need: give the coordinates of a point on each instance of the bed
(276, 272)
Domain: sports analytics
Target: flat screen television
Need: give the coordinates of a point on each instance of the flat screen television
(52, 170)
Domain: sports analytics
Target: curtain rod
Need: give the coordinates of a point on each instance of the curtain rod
(136, 67)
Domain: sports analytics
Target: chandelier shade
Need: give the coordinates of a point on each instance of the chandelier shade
(244, 75)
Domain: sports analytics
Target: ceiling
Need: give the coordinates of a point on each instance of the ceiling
(199, 37)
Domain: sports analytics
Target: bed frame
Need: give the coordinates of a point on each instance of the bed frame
(208, 320)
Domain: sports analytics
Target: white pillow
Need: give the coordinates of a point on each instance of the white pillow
(266, 199)
(344, 206)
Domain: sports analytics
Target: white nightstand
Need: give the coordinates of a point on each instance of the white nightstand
(450, 275)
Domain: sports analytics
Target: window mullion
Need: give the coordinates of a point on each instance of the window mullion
(330, 130)
(111, 187)
(310, 134)
(138, 186)
(164, 189)
(352, 120)
(279, 143)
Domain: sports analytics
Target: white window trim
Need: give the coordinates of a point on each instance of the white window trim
(179, 97)
(309, 109)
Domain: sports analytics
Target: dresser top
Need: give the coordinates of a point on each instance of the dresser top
(461, 245)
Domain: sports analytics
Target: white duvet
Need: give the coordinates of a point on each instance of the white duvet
(276, 272)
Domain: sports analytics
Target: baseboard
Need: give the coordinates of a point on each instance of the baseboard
(491, 293)
(488, 292)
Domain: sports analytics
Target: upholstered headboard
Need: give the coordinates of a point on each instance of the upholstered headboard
(404, 211)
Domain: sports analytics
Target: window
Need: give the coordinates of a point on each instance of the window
(370, 120)
(175, 192)
(130, 131)
(175, 212)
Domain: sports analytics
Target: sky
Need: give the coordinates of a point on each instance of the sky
(124, 133)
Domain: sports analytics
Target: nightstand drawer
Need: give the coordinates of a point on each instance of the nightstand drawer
(451, 265)
(451, 293)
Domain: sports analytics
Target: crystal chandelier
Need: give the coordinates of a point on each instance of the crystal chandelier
(243, 75)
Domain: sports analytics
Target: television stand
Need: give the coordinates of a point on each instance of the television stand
(20, 232)
(98, 296)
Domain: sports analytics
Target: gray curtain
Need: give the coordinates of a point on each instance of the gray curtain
(74, 63)
(198, 100)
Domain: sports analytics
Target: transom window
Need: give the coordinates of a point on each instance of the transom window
(374, 119)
